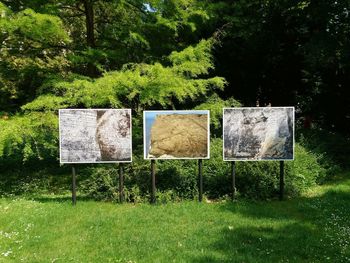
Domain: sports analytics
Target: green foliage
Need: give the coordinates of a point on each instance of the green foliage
(215, 104)
(169, 12)
(332, 148)
(306, 169)
(133, 195)
(136, 86)
(168, 196)
(193, 61)
(32, 50)
(101, 184)
(33, 178)
(261, 180)
(178, 22)
(45, 103)
(36, 28)
(177, 179)
(5, 11)
(141, 84)
(34, 136)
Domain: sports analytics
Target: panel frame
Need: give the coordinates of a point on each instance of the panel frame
(176, 112)
(97, 162)
(255, 160)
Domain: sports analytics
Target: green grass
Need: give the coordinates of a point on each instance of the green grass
(313, 228)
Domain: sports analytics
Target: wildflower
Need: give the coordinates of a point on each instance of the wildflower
(7, 253)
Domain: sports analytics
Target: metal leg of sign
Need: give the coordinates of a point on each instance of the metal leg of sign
(233, 175)
(74, 190)
(200, 180)
(121, 183)
(281, 180)
(153, 177)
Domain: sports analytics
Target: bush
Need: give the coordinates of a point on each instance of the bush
(177, 179)
(101, 185)
(305, 171)
(260, 180)
(332, 149)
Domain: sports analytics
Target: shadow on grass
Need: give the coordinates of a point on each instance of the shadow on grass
(60, 199)
(308, 229)
(339, 178)
(28, 181)
(290, 243)
(23, 180)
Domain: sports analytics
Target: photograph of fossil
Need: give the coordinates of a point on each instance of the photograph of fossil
(95, 135)
(258, 133)
(176, 134)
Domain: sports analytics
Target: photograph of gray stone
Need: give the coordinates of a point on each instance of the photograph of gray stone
(258, 133)
(176, 134)
(95, 135)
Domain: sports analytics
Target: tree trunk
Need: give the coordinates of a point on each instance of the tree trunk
(90, 33)
(89, 21)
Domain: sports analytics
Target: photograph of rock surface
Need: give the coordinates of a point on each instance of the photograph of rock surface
(95, 135)
(258, 133)
(176, 134)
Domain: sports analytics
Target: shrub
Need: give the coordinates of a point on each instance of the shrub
(101, 185)
(332, 149)
(260, 180)
(177, 179)
(305, 171)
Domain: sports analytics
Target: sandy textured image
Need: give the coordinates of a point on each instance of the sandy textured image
(90, 136)
(258, 133)
(178, 136)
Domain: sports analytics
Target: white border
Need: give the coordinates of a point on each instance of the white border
(255, 160)
(59, 130)
(174, 158)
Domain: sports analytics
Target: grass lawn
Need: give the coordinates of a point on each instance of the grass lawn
(312, 228)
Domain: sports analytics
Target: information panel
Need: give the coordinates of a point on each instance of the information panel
(258, 133)
(176, 134)
(95, 135)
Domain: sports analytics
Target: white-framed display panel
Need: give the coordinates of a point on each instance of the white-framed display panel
(252, 159)
(114, 161)
(168, 112)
